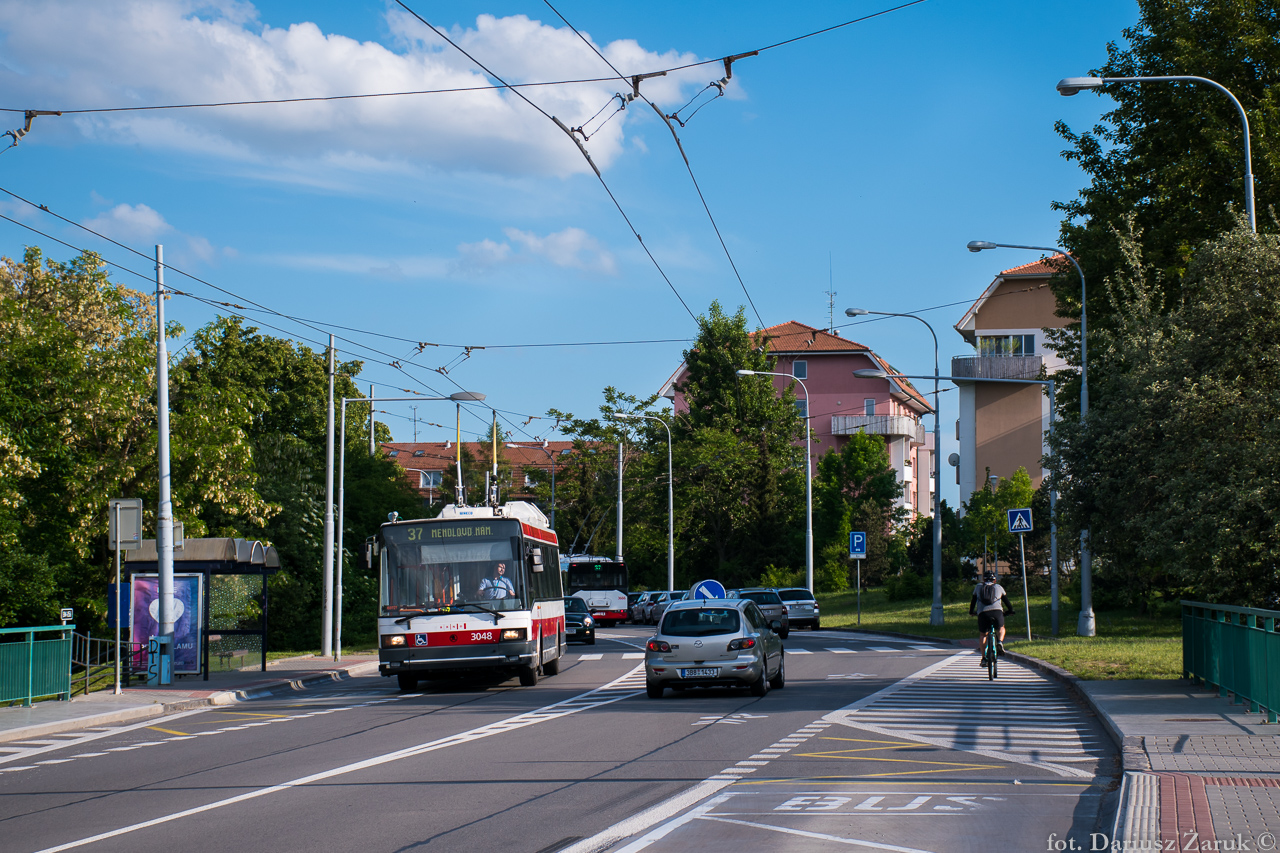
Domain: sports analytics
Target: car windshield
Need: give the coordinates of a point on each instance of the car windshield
(764, 598)
(702, 622)
(795, 595)
(575, 605)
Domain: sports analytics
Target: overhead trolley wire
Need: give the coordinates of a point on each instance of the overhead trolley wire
(569, 133)
(635, 81)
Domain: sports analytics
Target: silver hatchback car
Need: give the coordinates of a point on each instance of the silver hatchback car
(714, 643)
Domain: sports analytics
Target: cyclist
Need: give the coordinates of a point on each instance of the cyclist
(990, 603)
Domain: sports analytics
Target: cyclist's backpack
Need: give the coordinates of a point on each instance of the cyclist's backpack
(988, 594)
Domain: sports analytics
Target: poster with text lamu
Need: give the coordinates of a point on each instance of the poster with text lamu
(188, 605)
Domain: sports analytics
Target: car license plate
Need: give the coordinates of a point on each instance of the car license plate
(708, 672)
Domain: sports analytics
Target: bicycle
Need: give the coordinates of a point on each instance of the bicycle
(991, 653)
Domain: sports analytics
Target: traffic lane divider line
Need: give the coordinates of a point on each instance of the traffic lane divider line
(500, 727)
(92, 737)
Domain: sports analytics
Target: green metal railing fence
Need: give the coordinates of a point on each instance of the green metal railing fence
(31, 667)
(1236, 650)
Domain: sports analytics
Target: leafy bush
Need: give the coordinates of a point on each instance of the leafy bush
(907, 584)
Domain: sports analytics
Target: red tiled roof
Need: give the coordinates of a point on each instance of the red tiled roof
(1044, 266)
(798, 338)
(438, 455)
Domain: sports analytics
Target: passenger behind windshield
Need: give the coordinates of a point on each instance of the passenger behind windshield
(701, 623)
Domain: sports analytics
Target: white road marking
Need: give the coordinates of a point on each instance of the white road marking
(633, 655)
(799, 652)
(842, 651)
(597, 656)
(820, 836)
(606, 695)
(953, 705)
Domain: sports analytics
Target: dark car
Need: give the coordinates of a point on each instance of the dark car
(714, 643)
(802, 607)
(632, 598)
(770, 604)
(578, 622)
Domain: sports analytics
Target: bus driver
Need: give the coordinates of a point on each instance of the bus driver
(497, 586)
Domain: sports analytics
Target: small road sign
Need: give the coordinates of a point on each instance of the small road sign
(857, 546)
(67, 614)
(708, 589)
(1020, 520)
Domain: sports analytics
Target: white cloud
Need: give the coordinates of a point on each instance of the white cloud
(572, 248)
(72, 54)
(129, 223)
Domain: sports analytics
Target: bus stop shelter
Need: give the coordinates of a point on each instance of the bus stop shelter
(222, 584)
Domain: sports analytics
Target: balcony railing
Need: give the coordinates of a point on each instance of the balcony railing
(996, 366)
(892, 426)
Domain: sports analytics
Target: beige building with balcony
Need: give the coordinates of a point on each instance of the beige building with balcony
(1002, 426)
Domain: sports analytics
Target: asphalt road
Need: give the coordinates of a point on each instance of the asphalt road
(873, 744)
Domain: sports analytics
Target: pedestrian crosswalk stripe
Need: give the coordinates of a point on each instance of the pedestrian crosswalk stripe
(842, 651)
(952, 704)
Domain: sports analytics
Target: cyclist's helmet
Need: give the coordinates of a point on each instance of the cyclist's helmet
(989, 576)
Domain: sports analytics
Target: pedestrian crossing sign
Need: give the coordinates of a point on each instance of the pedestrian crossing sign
(1020, 520)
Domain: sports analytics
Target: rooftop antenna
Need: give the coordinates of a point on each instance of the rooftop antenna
(831, 297)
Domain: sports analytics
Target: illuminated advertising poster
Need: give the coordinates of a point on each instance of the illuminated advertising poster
(188, 607)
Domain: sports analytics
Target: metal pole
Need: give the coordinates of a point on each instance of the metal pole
(671, 517)
(552, 458)
(619, 551)
(116, 508)
(164, 515)
(342, 482)
(1026, 599)
(1053, 524)
(859, 562)
(373, 447)
(326, 625)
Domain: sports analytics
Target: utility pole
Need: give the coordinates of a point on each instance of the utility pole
(619, 550)
(164, 514)
(373, 447)
(326, 624)
(415, 424)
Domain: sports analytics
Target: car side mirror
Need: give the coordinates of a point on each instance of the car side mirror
(775, 625)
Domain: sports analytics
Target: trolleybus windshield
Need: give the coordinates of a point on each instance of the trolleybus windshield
(430, 567)
(597, 575)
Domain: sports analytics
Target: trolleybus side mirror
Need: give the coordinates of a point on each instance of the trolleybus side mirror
(535, 559)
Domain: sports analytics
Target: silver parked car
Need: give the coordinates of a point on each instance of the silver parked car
(640, 606)
(770, 604)
(664, 601)
(802, 607)
(714, 643)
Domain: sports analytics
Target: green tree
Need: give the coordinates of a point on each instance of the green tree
(1172, 154)
(986, 520)
(856, 488)
(1174, 469)
(737, 446)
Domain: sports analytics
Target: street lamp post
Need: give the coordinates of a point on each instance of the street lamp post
(1086, 625)
(808, 474)
(671, 513)
(459, 397)
(935, 614)
(1053, 494)
(1071, 85)
(552, 460)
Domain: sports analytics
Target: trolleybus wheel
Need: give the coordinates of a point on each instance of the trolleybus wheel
(529, 674)
(407, 681)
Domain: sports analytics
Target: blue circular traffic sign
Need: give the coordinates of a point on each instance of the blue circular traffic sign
(708, 589)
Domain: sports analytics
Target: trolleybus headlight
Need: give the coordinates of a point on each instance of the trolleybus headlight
(513, 634)
(744, 643)
(389, 640)
(659, 646)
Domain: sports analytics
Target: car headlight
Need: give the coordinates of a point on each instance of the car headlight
(587, 622)
(389, 640)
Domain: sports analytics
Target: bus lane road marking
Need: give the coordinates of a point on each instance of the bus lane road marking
(626, 687)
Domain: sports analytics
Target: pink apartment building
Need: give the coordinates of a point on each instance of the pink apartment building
(842, 404)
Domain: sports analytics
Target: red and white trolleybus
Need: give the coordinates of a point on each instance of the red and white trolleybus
(477, 588)
(602, 583)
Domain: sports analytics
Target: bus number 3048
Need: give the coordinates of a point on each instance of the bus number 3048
(482, 637)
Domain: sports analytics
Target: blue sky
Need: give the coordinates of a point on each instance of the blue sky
(859, 161)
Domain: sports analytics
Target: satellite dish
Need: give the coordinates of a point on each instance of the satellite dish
(953, 460)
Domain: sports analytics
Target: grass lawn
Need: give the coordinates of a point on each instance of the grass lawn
(1128, 644)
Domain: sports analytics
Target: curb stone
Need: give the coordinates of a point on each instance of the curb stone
(160, 709)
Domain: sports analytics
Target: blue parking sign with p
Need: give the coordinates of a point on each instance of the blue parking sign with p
(1020, 520)
(857, 546)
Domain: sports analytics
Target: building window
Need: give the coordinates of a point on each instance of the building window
(393, 453)
(802, 408)
(800, 369)
(430, 479)
(996, 345)
(528, 481)
(419, 453)
(869, 406)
